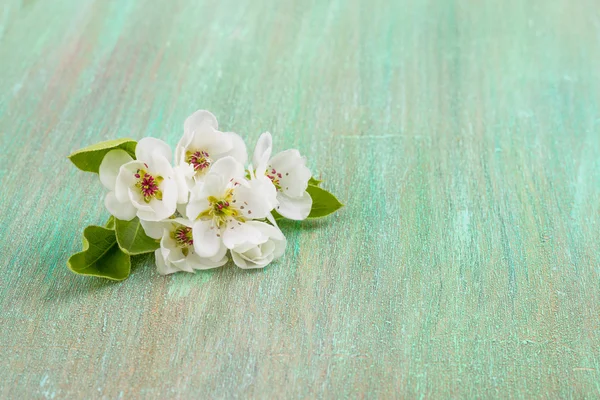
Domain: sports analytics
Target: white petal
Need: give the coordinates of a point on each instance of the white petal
(183, 175)
(154, 229)
(262, 152)
(206, 242)
(199, 121)
(148, 146)
(238, 147)
(215, 143)
(110, 166)
(161, 266)
(256, 198)
(161, 209)
(294, 173)
(182, 221)
(183, 263)
(126, 179)
(236, 233)
(124, 211)
(212, 186)
(240, 261)
(196, 262)
(182, 209)
(220, 256)
(267, 230)
(296, 208)
(136, 198)
(160, 166)
(228, 168)
(245, 262)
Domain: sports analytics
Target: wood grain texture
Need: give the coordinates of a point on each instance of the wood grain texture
(463, 137)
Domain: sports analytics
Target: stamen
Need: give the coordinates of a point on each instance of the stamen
(200, 160)
(148, 185)
(274, 176)
(183, 239)
(221, 211)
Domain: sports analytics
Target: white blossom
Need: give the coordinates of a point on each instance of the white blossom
(223, 204)
(176, 252)
(147, 187)
(288, 172)
(267, 245)
(203, 144)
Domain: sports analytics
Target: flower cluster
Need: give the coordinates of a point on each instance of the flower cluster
(204, 201)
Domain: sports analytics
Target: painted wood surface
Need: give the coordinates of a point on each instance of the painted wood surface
(463, 136)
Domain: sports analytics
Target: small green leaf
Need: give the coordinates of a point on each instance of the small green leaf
(314, 182)
(110, 224)
(89, 158)
(132, 239)
(324, 203)
(101, 255)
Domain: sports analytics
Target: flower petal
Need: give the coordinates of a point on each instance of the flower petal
(161, 209)
(199, 121)
(294, 173)
(183, 176)
(124, 211)
(296, 208)
(236, 233)
(207, 240)
(238, 147)
(110, 166)
(256, 198)
(161, 266)
(154, 229)
(148, 146)
(228, 168)
(126, 179)
(262, 153)
(197, 262)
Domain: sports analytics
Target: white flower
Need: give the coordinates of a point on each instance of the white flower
(147, 187)
(176, 252)
(222, 204)
(250, 254)
(203, 144)
(289, 174)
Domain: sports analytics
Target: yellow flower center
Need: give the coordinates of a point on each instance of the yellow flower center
(221, 210)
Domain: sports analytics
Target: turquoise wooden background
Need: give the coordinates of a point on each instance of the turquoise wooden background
(463, 136)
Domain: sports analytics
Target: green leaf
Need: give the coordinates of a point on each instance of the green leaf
(324, 203)
(110, 224)
(101, 255)
(132, 239)
(89, 158)
(314, 182)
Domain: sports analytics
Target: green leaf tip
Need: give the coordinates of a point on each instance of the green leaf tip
(110, 224)
(89, 158)
(324, 203)
(314, 181)
(101, 255)
(132, 239)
